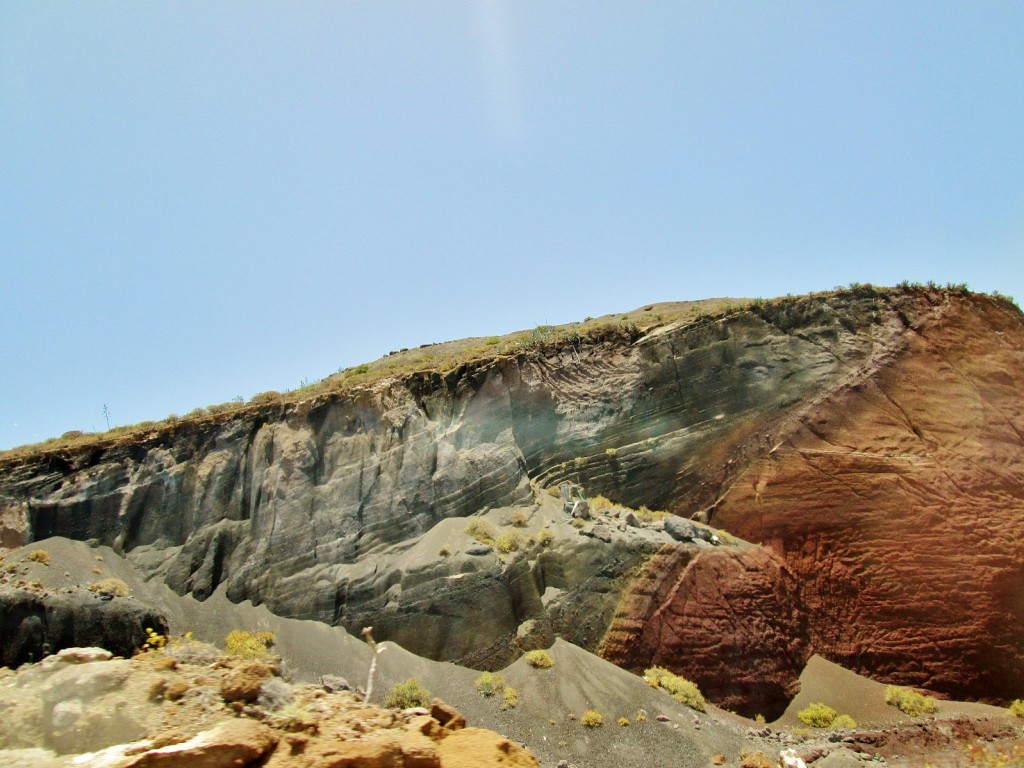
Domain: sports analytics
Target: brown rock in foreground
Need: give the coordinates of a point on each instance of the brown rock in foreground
(92, 711)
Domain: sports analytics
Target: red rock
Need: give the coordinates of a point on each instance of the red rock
(725, 618)
(898, 502)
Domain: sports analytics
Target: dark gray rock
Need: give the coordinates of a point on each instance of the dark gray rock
(34, 625)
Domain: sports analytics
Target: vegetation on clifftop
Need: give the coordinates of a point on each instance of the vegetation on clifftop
(434, 363)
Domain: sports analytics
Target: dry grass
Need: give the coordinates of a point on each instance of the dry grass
(592, 719)
(109, 588)
(481, 530)
(540, 659)
(909, 702)
(435, 362)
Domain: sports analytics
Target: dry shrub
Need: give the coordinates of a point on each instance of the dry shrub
(109, 588)
(509, 698)
(39, 556)
(481, 530)
(592, 719)
(508, 542)
(909, 702)
(545, 536)
(407, 694)
(679, 688)
(540, 659)
(249, 645)
(489, 683)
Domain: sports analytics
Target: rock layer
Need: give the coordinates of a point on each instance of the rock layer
(871, 439)
(899, 504)
(727, 618)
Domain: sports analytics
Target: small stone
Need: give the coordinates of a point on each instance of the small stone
(718, 759)
(334, 683)
(662, 718)
(479, 549)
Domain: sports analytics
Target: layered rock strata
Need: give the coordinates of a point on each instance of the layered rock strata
(871, 439)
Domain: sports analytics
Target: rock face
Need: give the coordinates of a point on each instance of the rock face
(871, 439)
(32, 624)
(727, 618)
(898, 503)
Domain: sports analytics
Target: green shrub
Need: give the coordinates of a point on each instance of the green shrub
(817, 715)
(249, 645)
(623, 721)
(481, 530)
(406, 695)
(489, 683)
(109, 588)
(592, 719)
(1017, 708)
(679, 688)
(545, 536)
(909, 702)
(844, 722)
(540, 659)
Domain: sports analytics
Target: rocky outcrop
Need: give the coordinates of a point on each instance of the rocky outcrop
(168, 708)
(898, 503)
(728, 618)
(871, 439)
(34, 623)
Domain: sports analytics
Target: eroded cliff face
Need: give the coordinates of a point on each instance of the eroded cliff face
(871, 440)
(898, 503)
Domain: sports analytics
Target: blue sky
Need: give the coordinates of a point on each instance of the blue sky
(200, 201)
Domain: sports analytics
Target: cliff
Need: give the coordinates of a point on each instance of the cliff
(869, 439)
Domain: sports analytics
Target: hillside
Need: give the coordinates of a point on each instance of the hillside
(863, 449)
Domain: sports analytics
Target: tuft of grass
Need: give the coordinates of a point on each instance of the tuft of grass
(909, 702)
(679, 688)
(517, 518)
(540, 659)
(592, 719)
(249, 645)
(489, 683)
(545, 536)
(39, 556)
(509, 698)
(109, 588)
(481, 530)
(407, 694)
(623, 721)
(508, 542)
(444, 552)
(1017, 708)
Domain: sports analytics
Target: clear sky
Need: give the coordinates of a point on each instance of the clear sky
(200, 201)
